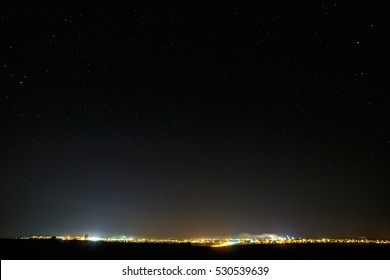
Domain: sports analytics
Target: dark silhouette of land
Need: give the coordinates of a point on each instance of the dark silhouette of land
(78, 250)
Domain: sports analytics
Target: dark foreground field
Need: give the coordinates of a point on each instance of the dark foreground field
(55, 249)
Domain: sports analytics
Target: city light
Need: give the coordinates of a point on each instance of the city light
(228, 243)
(95, 238)
(217, 242)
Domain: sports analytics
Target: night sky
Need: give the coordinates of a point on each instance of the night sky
(187, 119)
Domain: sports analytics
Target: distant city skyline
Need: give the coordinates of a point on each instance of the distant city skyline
(216, 241)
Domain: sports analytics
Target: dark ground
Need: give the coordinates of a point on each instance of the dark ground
(55, 249)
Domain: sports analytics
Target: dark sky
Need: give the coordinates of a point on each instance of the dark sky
(182, 119)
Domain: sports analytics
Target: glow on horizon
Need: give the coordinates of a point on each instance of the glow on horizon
(228, 243)
(94, 238)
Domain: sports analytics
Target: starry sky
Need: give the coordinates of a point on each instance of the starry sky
(189, 119)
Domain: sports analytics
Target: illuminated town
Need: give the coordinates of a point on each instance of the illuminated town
(217, 242)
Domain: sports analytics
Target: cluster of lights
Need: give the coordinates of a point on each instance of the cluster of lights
(220, 242)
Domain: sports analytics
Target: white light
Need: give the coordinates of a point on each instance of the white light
(94, 238)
